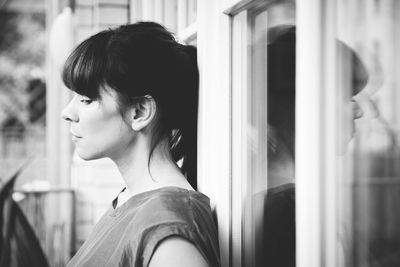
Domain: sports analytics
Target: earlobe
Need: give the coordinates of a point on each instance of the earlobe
(143, 113)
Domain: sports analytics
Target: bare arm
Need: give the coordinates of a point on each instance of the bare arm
(177, 252)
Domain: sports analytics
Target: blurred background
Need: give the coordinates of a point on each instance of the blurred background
(61, 195)
(23, 86)
(347, 184)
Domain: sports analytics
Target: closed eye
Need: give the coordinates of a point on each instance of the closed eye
(86, 101)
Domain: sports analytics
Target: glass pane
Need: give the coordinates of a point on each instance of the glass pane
(369, 169)
(191, 12)
(192, 41)
(268, 221)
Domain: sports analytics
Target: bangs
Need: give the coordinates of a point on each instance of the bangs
(84, 70)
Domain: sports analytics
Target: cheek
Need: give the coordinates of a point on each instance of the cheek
(102, 135)
(100, 121)
(106, 143)
(109, 131)
(113, 135)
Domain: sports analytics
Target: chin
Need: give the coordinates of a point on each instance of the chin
(87, 156)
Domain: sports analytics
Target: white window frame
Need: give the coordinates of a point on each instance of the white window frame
(316, 150)
(214, 132)
(241, 76)
(189, 32)
(163, 10)
(316, 189)
(240, 82)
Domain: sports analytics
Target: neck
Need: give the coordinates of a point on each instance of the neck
(281, 168)
(142, 175)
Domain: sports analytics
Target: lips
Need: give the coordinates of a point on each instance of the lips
(75, 136)
(75, 139)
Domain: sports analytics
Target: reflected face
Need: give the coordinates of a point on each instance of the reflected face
(97, 127)
(349, 112)
(355, 113)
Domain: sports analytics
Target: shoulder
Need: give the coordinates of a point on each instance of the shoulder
(176, 204)
(282, 195)
(165, 254)
(176, 219)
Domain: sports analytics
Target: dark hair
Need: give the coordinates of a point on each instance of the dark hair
(282, 77)
(281, 84)
(144, 59)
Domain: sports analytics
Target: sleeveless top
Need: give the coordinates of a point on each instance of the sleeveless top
(128, 235)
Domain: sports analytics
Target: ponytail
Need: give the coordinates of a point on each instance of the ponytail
(183, 141)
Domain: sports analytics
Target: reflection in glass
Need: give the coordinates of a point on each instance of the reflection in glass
(269, 208)
(276, 237)
(369, 164)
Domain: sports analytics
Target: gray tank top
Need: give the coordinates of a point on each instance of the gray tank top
(128, 235)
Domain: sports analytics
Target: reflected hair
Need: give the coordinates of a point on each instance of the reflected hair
(143, 59)
(282, 77)
(281, 88)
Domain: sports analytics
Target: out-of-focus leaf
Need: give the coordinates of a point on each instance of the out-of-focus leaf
(19, 245)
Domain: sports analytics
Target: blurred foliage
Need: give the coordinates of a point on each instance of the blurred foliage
(22, 58)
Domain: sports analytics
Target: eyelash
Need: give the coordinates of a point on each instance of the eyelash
(86, 101)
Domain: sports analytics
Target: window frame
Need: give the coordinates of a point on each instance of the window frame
(316, 123)
(186, 32)
(240, 86)
(316, 119)
(162, 12)
(240, 80)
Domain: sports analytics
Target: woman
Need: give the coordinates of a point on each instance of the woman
(277, 238)
(135, 102)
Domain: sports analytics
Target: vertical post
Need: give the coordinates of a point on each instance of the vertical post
(135, 13)
(309, 163)
(170, 15)
(329, 106)
(182, 14)
(58, 146)
(58, 143)
(158, 11)
(214, 132)
(316, 163)
(148, 9)
(240, 186)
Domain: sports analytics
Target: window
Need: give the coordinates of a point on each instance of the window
(187, 16)
(368, 162)
(179, 16)
(347, 154)
(263, 204)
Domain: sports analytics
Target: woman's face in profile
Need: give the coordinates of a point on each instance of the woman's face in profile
(349, 111)
(97, 127)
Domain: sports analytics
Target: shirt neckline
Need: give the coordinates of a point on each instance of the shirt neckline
(145, 195)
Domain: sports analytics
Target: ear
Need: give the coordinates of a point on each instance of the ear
(143, 112)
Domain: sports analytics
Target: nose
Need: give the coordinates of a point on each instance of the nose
(357, 111)
(68, 113)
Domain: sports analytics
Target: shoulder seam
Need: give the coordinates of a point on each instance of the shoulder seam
(191, 212)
